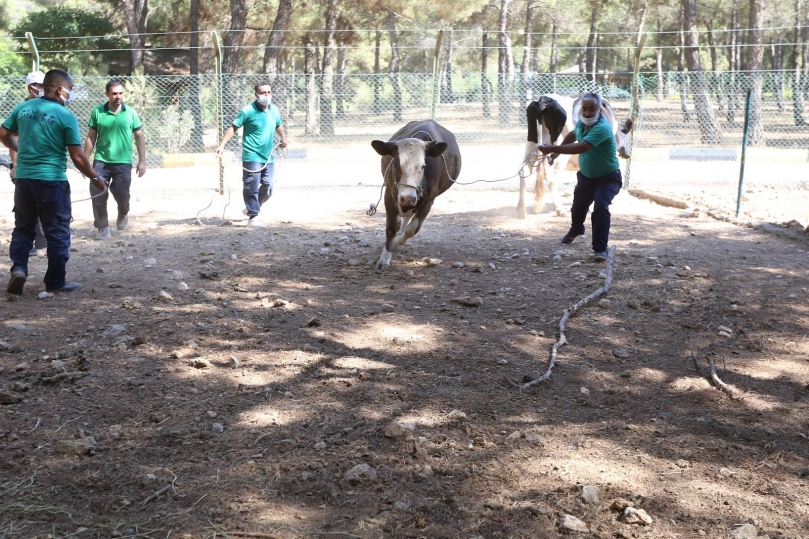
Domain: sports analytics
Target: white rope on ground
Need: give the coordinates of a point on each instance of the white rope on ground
(717, 381)
(567, 314)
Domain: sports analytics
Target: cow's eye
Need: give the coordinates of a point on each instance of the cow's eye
(423, 167)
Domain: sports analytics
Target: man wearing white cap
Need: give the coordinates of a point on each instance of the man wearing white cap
(34, 82)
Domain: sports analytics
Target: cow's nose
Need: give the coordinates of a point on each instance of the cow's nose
(407, 203)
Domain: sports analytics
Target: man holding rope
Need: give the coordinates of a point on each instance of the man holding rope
(261, 120)
(45, 128)
(599, 177)
(112, 126)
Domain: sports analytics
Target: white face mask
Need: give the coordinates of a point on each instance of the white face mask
(66, 100)
(41, 92)
(264, 100)
(590, 122)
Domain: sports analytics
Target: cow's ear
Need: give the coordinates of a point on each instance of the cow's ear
(627, 125)
(436, 148)
(383, 148)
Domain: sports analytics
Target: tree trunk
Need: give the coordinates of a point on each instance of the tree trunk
(733, 62)
(683, 78)
(194, 89)
(234, 37)
(377, 82)
(275, 41)
(447, 95)
(709, 129)
(341, 80)
(716, 78)
(136, 13)
(776, 65)
(526, 52)
(590, 51)
(797, 90)
(327, 71)
(393, 68)
(485, 85)
(504, 64)
(309, 78)
(554, 53)
(660, 83)
(755, 60)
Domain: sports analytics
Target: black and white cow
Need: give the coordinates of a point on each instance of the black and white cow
(421, 161)
(557, 116)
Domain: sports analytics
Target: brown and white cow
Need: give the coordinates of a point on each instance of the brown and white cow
(421, 161)
(554, 128)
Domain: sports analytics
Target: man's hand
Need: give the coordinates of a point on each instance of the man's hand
(141, 168)
(218, 150)
(99, 183)
(547, 148)
(283, 142)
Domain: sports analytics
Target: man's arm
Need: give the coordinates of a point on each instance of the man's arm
(225, 138)
(568, 146)
(82, 163)
(140, 140)
(90, 141)
(283, 134)
(8, 140)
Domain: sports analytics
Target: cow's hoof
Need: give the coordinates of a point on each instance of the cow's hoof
(382, 266)
(521, 214)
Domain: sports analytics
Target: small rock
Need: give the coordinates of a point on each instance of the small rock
(234, 362)
(435, 261)
(426, 472)
(631, 515)
(24, 366)
(78, 447)
(620, 353)
(513, 437)
(149, 262)
(724, 334)
(619, 504)
(164, 296)
(285, 446)
(575, 265)
(234, 257)
(182, 287)
(113, 331)
(199, 363)
(359, 474)
(57, 364)
(218, 428)
(584, 391)
(468, 301)
(397, 429)
(44, 295)
(682, 463)
(589, 494)
(313, 322)
(401, 506)
(456, 415)
(325, 250)
(745, 531)
(388, 308)
(354, 262)
(320, 446)
(9, 397)
(210, 413)
(458, 265)
(532, 437)
(726, 472)
(175, 275)
(725, 329)
(571, 524)
(18, 327)
(604, 303)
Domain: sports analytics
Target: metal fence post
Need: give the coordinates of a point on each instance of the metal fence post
(744, 151)
(34, 51)
(218, 90)
(434, 96)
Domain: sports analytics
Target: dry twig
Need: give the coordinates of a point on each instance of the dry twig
(567, 314)
(716, 380)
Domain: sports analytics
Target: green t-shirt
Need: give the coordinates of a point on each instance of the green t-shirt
(45, 128)
(259, 131)
(114, 142)
(600, 160)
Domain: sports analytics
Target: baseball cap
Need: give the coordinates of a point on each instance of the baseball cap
(37, 77)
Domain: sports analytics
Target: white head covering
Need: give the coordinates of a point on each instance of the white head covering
(36, 77)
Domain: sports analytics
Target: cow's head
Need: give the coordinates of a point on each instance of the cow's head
(408, 166)
(544, 101)
(623, 138)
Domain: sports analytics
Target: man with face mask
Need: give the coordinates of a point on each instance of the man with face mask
(261, 120)
(45, 128)
(33, 82)
(599, 177)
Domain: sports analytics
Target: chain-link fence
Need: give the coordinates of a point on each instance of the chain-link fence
(687, 143)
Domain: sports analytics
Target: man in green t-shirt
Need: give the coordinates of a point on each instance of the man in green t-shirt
(112, 126)
(261, 120)
(599, 176)
(45, 128)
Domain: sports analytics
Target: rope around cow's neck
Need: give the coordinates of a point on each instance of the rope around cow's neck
(534, 156)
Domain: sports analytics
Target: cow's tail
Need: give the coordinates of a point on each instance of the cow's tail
(539, 186)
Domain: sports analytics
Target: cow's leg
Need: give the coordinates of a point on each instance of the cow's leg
(521, 203)
(391, 226)
(414, 225)
(410, 225)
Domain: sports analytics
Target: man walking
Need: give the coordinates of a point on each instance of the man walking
(599, 177)
(41, 191)
(112, 126)
(261, 120)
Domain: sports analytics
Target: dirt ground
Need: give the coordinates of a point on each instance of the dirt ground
(328, 353)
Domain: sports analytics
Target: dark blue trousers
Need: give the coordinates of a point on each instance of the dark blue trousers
(599, 192)
(49, 202)
(257, 185)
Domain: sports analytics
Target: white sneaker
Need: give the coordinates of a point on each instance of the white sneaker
(253, 222)
(245, 212)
